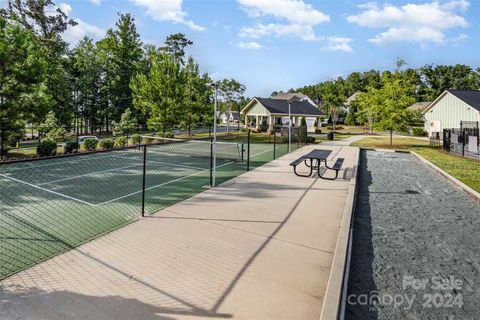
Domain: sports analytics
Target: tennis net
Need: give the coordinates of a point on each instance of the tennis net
(195, 148)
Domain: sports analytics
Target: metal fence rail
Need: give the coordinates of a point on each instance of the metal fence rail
(51, 205)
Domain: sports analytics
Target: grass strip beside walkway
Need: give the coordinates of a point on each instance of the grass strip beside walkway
(464, 169)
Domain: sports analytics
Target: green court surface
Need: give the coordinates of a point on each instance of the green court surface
(50, 206)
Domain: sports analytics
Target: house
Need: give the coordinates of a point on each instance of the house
(229, 117)
(348, 102)
(419, 106)
(450, 108)
(274, 112)
(293, 96)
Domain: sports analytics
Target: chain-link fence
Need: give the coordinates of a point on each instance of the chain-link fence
(464, 141)
(51, 205)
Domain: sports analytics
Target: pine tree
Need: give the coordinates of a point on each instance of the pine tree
(22, 74)
(121, 53)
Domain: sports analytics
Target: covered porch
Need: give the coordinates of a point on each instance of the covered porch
(265, 113)
(257, 120)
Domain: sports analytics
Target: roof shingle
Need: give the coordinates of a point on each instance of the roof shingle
(278, 106)
(470, 97)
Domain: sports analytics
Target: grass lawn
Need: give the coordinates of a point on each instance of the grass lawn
(336, 136)
(464, 169)
(347, 129)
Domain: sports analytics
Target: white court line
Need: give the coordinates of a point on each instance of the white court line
(53, 164)
(169, 163)
(88, 174)
(256, 154)
(160, 185)
(43, 189)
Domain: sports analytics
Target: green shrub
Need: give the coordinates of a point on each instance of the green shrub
(106, 144)
(46, 148)
(303, 122)
(263, 126)
(336, 127)
(310, 139)
(168, 134)
(90, 144)
(350, 119)
(71, 146)
(121, 142)
(136, 139)
(419, 132)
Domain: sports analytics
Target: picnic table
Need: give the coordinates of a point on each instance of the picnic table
(314, 159)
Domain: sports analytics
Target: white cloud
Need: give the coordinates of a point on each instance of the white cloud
(249, 45)
(338, 44)
(458, 40)
(423, 23)
(82, 29)
(305, 33)
(294, 18)
(167, 10)
(65, 7)
(295, 11)
(96, 2)
(74, 34)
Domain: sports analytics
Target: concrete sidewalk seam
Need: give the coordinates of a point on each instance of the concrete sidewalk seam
(296, 244)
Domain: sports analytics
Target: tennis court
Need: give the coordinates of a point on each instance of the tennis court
(50, 206)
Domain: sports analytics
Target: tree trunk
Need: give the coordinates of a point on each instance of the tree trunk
(391, 137)
(106, 124)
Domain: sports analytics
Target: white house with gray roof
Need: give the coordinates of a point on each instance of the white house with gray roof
(293, 96)
(450, 108)
(274, 111)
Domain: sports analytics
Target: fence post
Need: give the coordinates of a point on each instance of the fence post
(248, 150)
(2, 138)
(77, 145)
(463, 143)
(298, 137)
(144, 178)
(449, 140)
(445, 139)
(242, 146)
(211, 162)
(478, 139)
(274, 142)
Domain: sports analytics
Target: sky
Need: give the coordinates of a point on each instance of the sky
(273, 45)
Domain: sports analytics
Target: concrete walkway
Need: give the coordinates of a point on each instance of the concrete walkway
(258, 247)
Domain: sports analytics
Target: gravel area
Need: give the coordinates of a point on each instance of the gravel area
(416, 244)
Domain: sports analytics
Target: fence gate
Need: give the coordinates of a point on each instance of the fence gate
(464, 141)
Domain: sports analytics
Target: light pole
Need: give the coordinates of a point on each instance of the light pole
(289, 127)
(214, 141)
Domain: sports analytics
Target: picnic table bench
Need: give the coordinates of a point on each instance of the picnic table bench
(314, 159)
